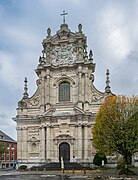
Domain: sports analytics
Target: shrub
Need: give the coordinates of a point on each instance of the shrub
(22, 167)
(98, 158)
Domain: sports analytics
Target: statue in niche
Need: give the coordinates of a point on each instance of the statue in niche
(33, 147)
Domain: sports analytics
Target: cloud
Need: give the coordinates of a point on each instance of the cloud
(7, 69)
(110, 26)
(115, 34)
(7, 125)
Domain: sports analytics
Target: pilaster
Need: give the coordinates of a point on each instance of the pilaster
(85, 141)
(19, 144)
(24, 143)
(43, 143)
(48, 150)
(79, 83)
(80, 141)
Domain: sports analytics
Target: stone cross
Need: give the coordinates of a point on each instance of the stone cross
(64, 14)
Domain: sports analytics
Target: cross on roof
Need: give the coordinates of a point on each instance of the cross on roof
(64, 14)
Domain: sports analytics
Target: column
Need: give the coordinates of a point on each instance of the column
(49, 93)
(48, 142)
(19, 144)
(76, 141)
(56, 148)
(79, 141)
(47, 86)
(79, 83)
(85, 87)
(43, 143)
(43, 91)
(24, 144)
(85, 141)
(42, 95)
(51, 143)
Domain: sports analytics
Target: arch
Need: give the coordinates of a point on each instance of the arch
(65, 78)
(64, 91)
(64, 151)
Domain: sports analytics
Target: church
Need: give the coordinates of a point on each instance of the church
(56, 122)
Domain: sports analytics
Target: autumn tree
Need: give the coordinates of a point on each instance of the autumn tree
(116, 127)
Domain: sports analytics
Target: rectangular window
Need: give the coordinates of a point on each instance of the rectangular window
(64, 91)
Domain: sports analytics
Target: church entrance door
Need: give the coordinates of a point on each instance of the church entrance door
(64, 151)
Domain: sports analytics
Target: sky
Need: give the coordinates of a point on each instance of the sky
(111, 27)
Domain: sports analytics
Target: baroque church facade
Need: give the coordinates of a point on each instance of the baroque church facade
(57, 120)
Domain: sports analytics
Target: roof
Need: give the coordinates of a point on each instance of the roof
(5, 137)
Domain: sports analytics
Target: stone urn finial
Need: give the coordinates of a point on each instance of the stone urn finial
(80, 28)
(49, 32)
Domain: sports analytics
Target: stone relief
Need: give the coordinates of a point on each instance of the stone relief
(35, 101)
(22, 104)
(33, 140)
(64, 138)
(33, 147)
(38, 82)
(96, 97)
(33, 132)
(64, 54)
(34, 155)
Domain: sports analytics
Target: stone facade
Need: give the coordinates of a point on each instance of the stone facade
(57, 120)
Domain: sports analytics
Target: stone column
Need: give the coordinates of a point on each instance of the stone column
(79, 83)
(49, 93)
(85, 87)
(43, 143)
(19, 143)
(56, 148)
(48, 142)
(85, 141)
(47, 86)
(24, 144)
(42, 95)
(43, 91)
(51, 143)
(76, 141)
(79, 141)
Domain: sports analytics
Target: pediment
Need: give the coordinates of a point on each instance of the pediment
(49, 112)
(63, 112)
(78, 110)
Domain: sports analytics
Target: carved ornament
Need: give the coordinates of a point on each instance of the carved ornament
(64, 54)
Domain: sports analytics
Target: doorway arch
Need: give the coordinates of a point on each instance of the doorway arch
(64, 151)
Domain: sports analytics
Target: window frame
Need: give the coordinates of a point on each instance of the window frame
(65, 95)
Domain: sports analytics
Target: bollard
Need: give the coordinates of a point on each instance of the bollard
(84, 171)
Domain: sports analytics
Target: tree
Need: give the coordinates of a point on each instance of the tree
(3, 148)
(116, 127)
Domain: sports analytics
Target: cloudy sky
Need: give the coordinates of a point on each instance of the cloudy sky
(111, 27)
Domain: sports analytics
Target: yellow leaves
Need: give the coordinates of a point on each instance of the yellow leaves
(115, 127)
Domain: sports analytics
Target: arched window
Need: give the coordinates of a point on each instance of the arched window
(64, 91)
